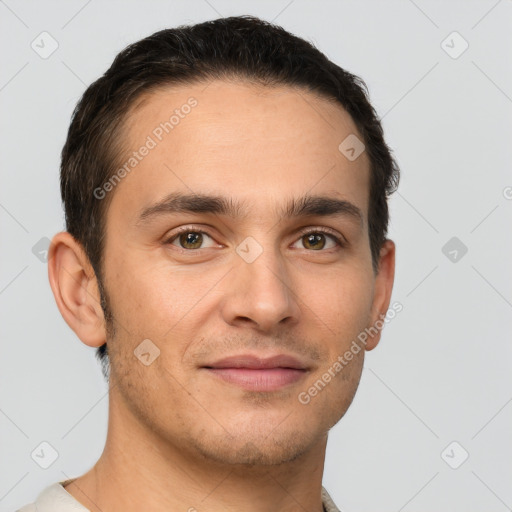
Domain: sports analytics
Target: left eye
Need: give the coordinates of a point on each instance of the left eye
(316, 240)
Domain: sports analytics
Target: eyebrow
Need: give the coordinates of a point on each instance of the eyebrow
(304, 206)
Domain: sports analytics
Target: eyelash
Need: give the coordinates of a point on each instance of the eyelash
(306, 231)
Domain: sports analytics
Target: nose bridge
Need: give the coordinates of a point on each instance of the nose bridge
(261, 290)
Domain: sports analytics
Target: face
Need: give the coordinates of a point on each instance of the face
(241, 303)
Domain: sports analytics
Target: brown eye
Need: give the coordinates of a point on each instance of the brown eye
(314, 241)
(318, 240)
(190, 239)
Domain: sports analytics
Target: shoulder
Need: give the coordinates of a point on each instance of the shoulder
(328, 503)
(28, 508)
(54, 498)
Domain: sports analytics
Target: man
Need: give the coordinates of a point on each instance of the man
(225, 188)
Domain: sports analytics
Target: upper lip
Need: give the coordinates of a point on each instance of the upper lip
(255, 362)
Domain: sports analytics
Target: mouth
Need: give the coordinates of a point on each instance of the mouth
(254, 373)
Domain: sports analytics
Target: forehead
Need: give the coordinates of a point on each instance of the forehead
(257, 143)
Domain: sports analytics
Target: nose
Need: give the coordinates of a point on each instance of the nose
(260, 295)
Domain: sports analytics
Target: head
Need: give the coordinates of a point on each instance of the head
(237, 129)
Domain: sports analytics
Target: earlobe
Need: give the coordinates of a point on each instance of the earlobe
(382, 293)
(75, 289)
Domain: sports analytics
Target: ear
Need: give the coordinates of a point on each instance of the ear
(382, 292)
(75, 289)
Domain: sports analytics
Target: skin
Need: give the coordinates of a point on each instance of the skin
(178, 437)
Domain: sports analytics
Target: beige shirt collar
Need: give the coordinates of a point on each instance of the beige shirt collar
(56, 499)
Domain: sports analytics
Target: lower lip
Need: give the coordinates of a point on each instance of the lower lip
(269, 379)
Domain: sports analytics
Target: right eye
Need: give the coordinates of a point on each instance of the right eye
(189, 239)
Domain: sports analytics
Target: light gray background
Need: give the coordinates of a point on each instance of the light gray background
(442, 371)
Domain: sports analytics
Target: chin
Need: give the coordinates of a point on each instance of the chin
(250, 449)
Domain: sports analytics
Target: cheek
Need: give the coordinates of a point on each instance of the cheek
(139, 288)
(346, 310)
(155, 299)
(343, 303)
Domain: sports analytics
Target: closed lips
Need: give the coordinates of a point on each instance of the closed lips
(257, 363)
(253, 373)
